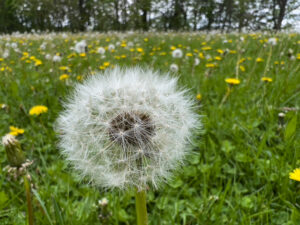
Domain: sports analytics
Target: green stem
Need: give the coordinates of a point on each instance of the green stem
(141, 207)
(28, 199)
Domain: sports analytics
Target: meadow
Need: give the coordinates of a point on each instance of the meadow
(239, 170)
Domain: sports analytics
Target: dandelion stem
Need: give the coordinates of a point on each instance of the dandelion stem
(28, 199)
(141, 207)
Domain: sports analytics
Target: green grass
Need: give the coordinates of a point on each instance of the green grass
(239, 172)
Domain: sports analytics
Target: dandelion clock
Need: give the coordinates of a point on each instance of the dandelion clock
(127, 128)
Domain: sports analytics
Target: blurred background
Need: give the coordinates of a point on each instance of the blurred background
(161, 15)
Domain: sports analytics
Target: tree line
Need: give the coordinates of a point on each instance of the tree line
(162, 15)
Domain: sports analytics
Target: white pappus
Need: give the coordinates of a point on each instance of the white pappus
(127, 127)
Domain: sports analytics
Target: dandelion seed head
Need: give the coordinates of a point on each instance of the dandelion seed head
(127, 127)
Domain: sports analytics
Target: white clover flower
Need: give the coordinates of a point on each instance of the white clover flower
(177, 53)
(101, 50)
(127, 127)
(81, 46)
(174, 68)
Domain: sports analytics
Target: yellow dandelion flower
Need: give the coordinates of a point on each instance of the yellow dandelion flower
(64, 77)
(199, 97)
(146, 39)
(173, 48)
(123, 45)
(79, 77)
(266, 79)
(295, 175)
(15, 131)
(82, 55)
(38, 62)
(232, 81)
(242, 60)
(106, 64)
(259, 60)
(206, 48)
(65, 68)
(210, 65)
(220, 51)
(2, 68)
(242, 68)
(201, 55)
(232, 51)
(189, 54)
(218, 58)
(1, 59)
(37, 110)
(139, 50)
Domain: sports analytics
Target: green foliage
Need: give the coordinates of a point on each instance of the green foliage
(238, 172)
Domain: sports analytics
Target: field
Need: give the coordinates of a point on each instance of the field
(239, 170)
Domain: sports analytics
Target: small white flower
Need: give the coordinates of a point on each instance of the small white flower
(272, 41)
(14, 45)
(111, 47)
(103, 202)
(5, 54)
(101, 50)
(81, 46)
(197, 61)
(174, 68)
(127, 127)
(177, 53)
(56, 58)
(48, 56)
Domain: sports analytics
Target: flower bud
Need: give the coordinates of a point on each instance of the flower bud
(13, 150)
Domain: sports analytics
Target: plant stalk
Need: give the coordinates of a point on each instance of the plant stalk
(28, 199)
(141, 207)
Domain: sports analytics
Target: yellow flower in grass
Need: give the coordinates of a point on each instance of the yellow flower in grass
(259, 60)
(295, 175)
(210, 65)
(232, 81)
(189, 54)
(64, 77)
(199, 97)
(15, 131)
(242, 68)
(37, 110)
(220, 51)
(206, 48)
(106, 64)
(139, 50)
(267, 79)
(218, 58)
(38, 62)
(1, 59)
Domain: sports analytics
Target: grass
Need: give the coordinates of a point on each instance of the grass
(239, 172)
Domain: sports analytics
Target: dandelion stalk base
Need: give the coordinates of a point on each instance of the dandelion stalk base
(141, 207)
